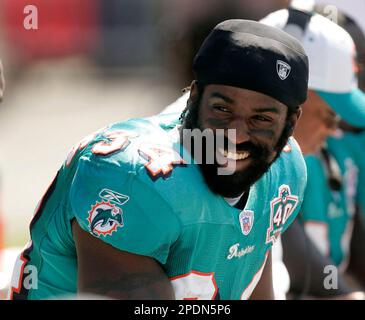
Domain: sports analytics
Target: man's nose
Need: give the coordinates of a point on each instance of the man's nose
(331, 131)
(241, 134)
(333, 125)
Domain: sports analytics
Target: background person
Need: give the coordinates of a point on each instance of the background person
(333, 89)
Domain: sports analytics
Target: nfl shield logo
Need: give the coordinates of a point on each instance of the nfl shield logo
(246, 221)
(283, 69)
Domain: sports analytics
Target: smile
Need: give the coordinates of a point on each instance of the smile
(234, 155)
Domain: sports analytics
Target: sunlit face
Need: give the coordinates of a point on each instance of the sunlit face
(258, 121)
(317, 123)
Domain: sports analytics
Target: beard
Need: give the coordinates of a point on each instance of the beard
(235, 184)
(231, 186)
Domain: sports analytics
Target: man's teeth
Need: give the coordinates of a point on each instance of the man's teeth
(236, 156)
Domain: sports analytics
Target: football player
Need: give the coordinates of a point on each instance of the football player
(328, 208)
(138, 211)
(346, 148)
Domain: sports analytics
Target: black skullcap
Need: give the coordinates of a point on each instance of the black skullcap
(254, 56)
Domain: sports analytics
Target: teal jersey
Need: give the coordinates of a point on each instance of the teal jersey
(129, 186)
(356, 143)
(328, 214)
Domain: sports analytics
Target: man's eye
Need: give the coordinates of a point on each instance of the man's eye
(262, 119)
(221, 109)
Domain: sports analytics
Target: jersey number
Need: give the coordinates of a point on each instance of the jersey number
(282, 214)
(195, 285)
(160, 159)
(281, 208)
(117, 141)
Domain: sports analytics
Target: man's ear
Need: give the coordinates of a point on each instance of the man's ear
(293, 120)
(193, 91)
(299, 113)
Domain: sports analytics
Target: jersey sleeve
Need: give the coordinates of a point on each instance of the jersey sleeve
(284, 187)
(113, 204)
(293, 181)
(356, 143)
(314, 207)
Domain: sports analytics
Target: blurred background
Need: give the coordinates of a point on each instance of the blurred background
(87, 64)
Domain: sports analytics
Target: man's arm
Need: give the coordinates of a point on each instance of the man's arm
(306, 265)
(357, 253)
(264, 289)
(108, 272)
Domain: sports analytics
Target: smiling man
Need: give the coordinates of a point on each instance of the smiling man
(132, 215)
(261, 132)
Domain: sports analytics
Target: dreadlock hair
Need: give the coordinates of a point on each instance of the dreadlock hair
(191, 110)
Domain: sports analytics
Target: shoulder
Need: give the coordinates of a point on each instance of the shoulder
(177, 106)
(112, 194)
(292, 155)
(280, 192)
(124, 146)
(290, 167)
(288, 173)
(136, 151)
